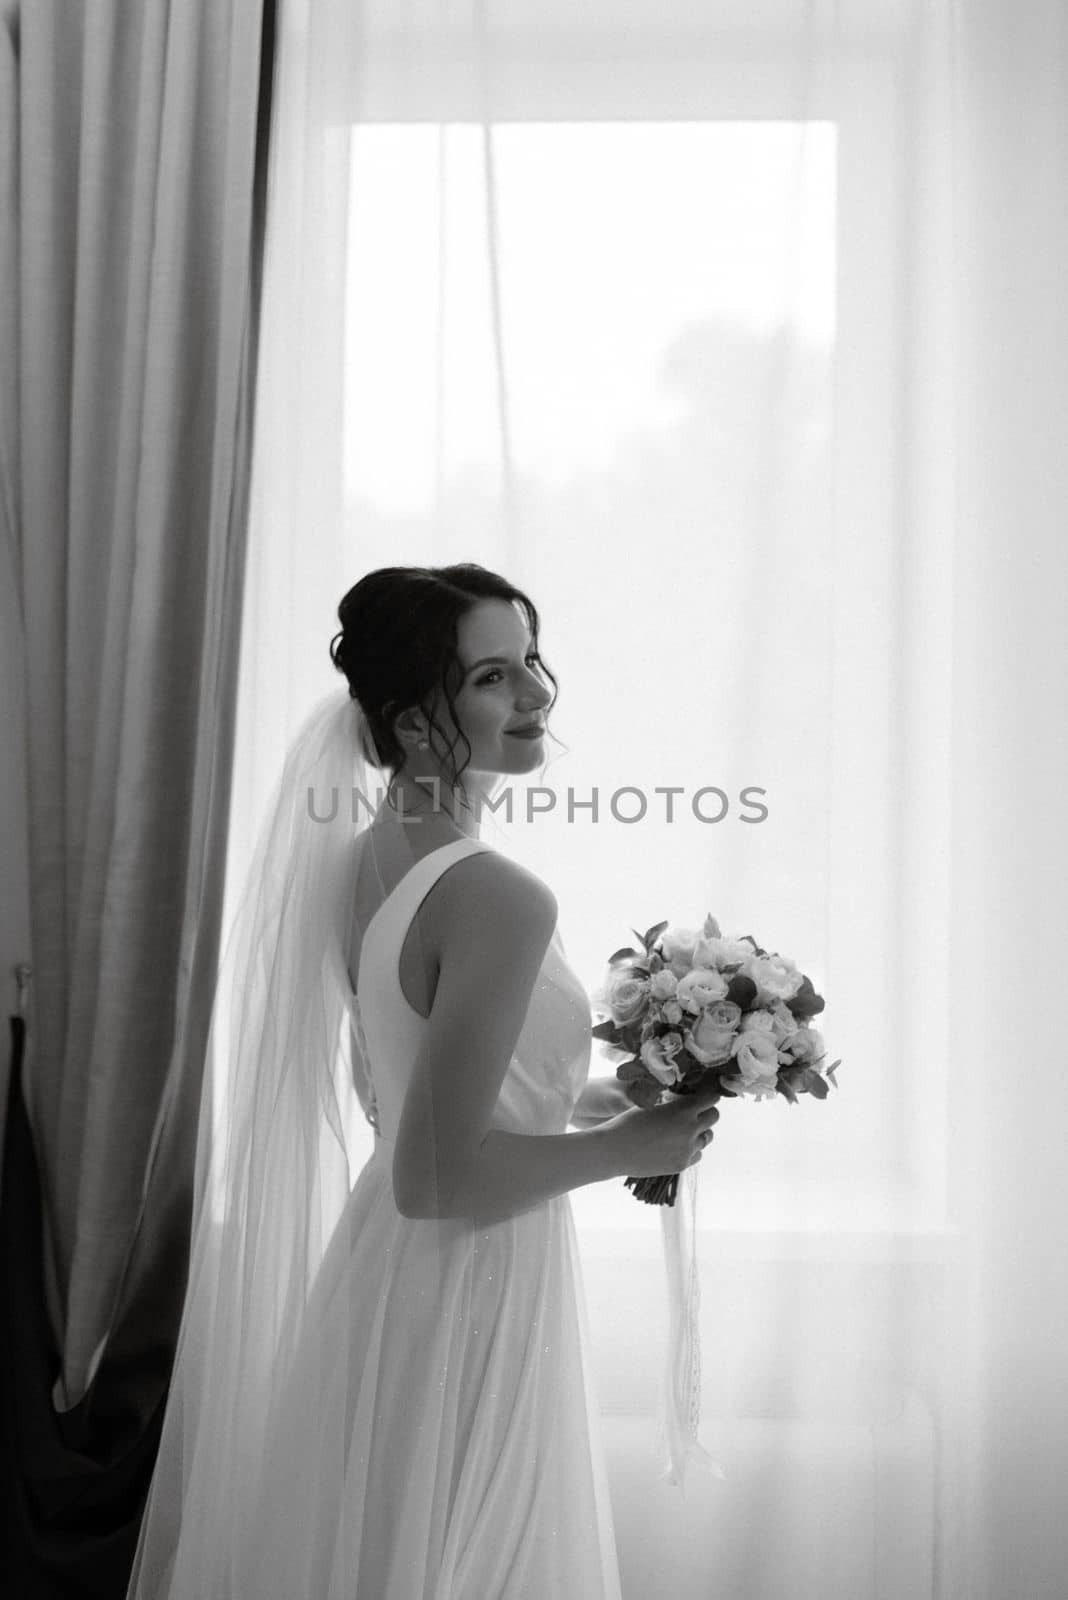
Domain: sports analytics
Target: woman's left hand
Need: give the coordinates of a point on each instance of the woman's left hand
(599, 1099)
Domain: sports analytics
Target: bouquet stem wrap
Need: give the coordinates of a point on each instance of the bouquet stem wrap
(688, 1009)
(681, 1402)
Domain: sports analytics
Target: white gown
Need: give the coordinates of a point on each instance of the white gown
(472, 1463)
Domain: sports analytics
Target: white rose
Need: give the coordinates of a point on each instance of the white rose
(658, 1055)
(677, 945)
(704, 953)
(672, 1012)
(720, 952)
(757, 1056)
(623, 995)
(758, 1021)
(662, 984)
(757, 1059)
(776, 977)
(701, 988)
(784, 1022)
(805, 1046)
(714, 1033)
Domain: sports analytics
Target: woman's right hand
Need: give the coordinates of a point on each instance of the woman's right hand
(663, 1139)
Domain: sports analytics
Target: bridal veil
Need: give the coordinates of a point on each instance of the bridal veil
(286, 1123)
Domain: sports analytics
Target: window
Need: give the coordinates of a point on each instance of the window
(658, 314)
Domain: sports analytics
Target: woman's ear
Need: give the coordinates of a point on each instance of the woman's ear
(409, 727)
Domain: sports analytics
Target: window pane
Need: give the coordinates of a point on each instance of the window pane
(626, 252)
(656, 351)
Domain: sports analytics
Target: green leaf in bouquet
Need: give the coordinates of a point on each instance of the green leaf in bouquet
(644, 1091)
(622, 954)
(631, 1071)
(812, 1083)
(747, 938)
(792, 1075)
(806, 1002)
(829, 1074)
(711, 928)
(650, 937)
(608, 1031)
(785, 1088)
(742, 990)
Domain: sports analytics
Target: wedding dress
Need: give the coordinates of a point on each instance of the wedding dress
(444, 1443)
(366, 1406)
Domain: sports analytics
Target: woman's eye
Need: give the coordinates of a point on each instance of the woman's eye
(495, 672)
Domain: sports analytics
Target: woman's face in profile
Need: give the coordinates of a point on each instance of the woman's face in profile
(502, 691)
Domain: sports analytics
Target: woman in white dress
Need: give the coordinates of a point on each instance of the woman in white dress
(382, 1389)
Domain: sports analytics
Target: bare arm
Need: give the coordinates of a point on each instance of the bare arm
(497, 921)
(599, 1098)
(515, 1171)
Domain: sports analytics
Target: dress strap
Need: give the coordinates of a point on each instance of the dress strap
(400, 905)
(408, 895)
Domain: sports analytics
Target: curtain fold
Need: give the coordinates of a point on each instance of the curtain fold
(129, 157)
(1010, 855)
(73, 1484)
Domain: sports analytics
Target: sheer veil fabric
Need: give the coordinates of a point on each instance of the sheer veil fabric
(285, 1126)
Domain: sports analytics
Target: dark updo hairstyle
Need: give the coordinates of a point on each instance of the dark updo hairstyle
(398, 645)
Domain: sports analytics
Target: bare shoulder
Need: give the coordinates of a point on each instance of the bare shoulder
(495, 920)
(486, 896)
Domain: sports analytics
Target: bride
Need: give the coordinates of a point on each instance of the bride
(382, 1387)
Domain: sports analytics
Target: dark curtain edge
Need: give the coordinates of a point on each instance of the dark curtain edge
(74, 1484)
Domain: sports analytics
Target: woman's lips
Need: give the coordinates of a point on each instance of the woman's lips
(526, 733)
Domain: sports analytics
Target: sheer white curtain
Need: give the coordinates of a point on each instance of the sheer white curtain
(733, 332)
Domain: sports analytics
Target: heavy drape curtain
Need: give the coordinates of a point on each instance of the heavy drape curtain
(128, 138)
(734, 332)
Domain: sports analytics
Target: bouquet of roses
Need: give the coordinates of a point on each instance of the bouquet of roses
(697, 1010)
